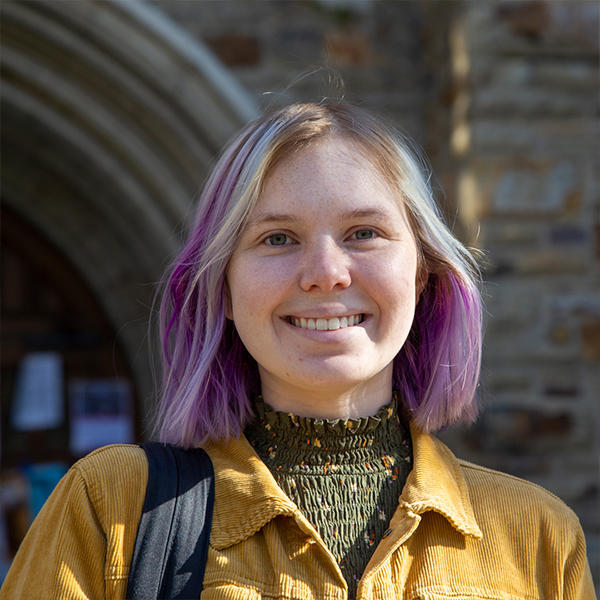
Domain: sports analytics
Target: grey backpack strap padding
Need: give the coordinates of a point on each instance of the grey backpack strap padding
(171, 546)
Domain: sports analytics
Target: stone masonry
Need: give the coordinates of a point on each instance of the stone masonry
(502, 95)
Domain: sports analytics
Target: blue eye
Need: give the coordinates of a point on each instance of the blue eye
(277, 239)
(364, 234)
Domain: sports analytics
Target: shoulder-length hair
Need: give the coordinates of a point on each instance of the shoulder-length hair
(208, 376)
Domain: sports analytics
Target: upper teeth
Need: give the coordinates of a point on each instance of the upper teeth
(326, 324)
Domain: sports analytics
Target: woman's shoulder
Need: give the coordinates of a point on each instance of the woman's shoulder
(497, 495)
(112, 454)
(113, 461)
(113, 473)
(534, 531)
(84, 535)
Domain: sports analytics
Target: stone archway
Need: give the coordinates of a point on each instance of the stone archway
(111, 117)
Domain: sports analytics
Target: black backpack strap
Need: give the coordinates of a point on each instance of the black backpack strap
(171, 546)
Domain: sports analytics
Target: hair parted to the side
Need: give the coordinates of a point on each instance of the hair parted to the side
(208, 376)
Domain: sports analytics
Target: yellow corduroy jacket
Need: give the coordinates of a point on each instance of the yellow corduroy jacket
(460, 532)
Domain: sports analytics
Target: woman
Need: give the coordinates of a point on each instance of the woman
(319, 324)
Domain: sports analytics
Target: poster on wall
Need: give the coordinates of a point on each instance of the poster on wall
(100, 413)
(38, 399)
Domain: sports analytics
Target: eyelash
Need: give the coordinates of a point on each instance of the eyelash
(267, 239)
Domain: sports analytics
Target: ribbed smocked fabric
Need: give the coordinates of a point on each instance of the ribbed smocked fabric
(345, 475)
(460, 531)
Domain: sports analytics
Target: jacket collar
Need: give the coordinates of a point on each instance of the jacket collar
(436, 482)
(247, 496)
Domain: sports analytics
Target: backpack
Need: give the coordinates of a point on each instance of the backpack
(171, 546)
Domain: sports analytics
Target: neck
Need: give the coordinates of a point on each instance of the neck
(350, 402)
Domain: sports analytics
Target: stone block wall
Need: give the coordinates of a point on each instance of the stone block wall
(503, 96)
(299, 51)
(529, 180)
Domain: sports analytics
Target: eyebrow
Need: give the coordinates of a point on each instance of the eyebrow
(265, 218)
(367, 212)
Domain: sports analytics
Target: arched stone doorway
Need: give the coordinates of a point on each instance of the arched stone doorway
(111, 116)
(48, 307)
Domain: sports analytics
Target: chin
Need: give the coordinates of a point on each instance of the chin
(336, 380)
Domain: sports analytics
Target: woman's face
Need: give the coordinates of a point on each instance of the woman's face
(322, 282)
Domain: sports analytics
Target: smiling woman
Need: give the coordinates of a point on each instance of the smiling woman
(319, 325)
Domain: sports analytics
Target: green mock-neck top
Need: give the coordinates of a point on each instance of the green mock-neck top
(345, 475)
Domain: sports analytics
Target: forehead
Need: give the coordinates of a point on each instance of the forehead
(329, 184)
(332, 168)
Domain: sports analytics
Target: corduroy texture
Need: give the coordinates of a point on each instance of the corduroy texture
(460, 532)
(345, 475)
(81, 542)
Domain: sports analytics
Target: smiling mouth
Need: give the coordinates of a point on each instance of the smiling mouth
(326, 324)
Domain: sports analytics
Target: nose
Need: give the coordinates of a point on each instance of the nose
(326, 267)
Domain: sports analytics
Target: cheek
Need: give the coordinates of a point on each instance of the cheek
(395, 292)
(394, 277)
(263, 276)
(252, 290)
